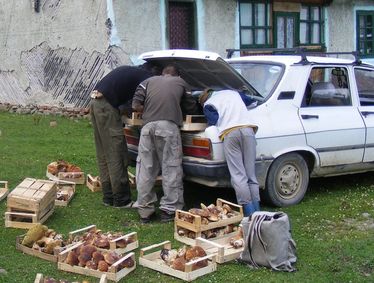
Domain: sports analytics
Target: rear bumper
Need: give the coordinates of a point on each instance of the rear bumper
(213, 173)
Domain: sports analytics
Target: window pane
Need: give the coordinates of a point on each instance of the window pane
(369, 35)
(369, 47)
(361, 20)
(329, 87)
(260, 36)
(369, 21)
(304, 33)
(315, 34)
(280, 35)
(290, 33)
(263, 77)
(361, 47)
(365, 86)
(362, 33)
(259, 14)
(304, 13)
(246, 37)
(315, 13)
(245, 14)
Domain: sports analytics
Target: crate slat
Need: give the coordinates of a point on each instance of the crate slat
(4, 190)
(69, 188)
(111, 274)
(222, 247)
(93, 183)
(112, 244)
(36, 253)
(153, 261)
(32, 219)
(197, 227)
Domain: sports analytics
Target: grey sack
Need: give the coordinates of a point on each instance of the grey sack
(268, 241)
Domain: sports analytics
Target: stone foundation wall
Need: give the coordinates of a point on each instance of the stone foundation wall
(83, 113)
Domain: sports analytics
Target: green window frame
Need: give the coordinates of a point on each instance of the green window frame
(255, 23)
(311, 26)
(365, 32)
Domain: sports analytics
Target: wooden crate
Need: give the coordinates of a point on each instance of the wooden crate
(76, 177)
(67, 188)
(221, 247)
(191, 122)
(31, 202)
(153, 261)
(111, 274)
(93, 183)
(197, 227)
(40, 278)
(25, 220)
(135, 120)
(4, 190)
(50, 257)
(112, 244)
(194, 123)
(32, 195)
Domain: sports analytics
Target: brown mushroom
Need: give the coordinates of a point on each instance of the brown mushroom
(91, 264)
(179, 263)
(97, 256)
(72, 258)
(199, 212)
(111, 257)
(194, 252)
(102, 266)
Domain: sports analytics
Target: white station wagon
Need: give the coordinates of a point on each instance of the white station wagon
(315, 117)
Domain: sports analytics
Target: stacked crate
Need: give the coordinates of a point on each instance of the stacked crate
(31, 202)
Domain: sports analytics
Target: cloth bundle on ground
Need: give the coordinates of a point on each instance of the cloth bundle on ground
(268, 241)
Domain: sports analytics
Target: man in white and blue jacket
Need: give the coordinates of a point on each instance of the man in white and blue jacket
(226, 109)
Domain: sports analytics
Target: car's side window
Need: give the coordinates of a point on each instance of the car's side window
(327, 86)
(365, 85)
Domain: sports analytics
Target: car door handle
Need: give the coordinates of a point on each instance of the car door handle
(366, 113)
(309, 116)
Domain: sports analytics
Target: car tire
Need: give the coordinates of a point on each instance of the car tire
(287, 180)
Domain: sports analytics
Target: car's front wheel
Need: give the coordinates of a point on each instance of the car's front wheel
(287, 180)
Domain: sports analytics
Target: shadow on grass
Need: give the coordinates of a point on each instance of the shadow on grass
(194, 194)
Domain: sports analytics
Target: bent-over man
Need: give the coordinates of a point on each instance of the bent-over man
(161, 99)
(226, 110)
(111, 93)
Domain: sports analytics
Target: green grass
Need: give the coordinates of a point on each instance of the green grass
(334, 236)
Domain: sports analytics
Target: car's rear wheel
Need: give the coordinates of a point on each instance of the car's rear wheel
(287, 180)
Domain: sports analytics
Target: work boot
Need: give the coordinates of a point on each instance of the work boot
(248, 209)
(166, 217)
(148, 219)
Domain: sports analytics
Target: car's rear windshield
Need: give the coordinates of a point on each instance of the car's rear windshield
(264, 77)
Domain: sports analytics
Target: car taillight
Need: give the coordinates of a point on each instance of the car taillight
(131, 136)
(197, 147)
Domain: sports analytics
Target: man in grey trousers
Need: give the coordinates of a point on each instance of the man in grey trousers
(226, 110)
(161, 99)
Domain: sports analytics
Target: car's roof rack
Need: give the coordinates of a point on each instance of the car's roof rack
(303, 52)
(264, 51)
